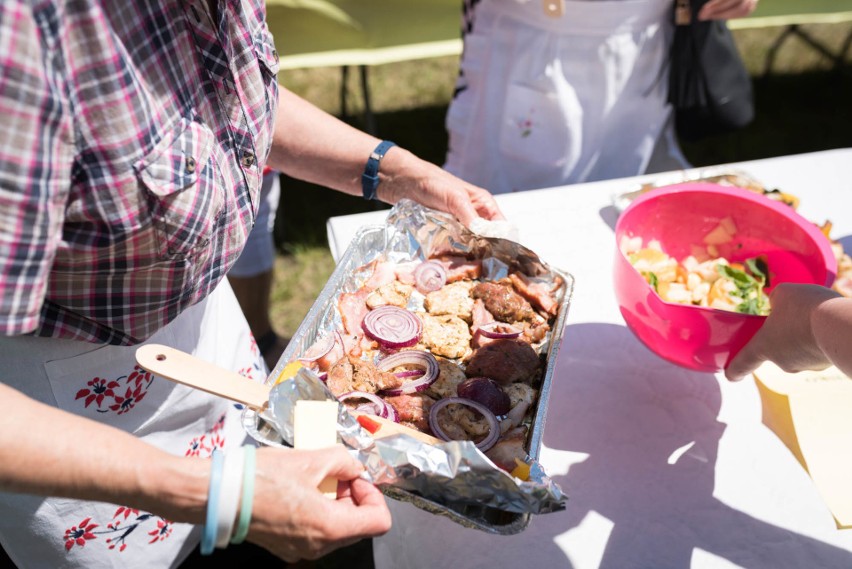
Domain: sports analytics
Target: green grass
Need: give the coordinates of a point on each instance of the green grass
(803, 105)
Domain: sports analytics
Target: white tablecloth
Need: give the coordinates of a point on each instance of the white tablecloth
(663, 467)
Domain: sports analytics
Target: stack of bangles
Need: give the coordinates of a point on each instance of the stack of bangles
(231, 493)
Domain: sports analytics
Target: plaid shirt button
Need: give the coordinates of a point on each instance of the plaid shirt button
(248, 159)
(190, 165)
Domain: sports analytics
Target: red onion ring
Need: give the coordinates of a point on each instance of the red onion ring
(430, 276)
(499, 330)
(392, 326)
(320, 348)
(393, 415)
(376, 406)
(417, 358)
(484, 444)
(409, 373)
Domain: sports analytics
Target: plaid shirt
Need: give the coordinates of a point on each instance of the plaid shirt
(132, 138)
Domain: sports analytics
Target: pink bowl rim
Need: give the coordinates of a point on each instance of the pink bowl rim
(818, 237)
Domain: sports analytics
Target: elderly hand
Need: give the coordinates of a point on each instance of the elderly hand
(424, 182)
(726, 9)
(294, 520)
(788, 335)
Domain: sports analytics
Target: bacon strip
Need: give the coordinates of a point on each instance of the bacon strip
(460, 268)
(353, 308)
(538, 294)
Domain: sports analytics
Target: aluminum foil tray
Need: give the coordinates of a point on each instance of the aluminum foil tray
(382, 241)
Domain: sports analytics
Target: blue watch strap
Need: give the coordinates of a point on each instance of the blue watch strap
(370, 177)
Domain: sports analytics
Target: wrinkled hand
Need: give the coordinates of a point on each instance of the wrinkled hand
(435, 188)
(787, 336)
(726, 9)
(293, 520)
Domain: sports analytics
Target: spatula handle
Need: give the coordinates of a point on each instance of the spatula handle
(186, 369)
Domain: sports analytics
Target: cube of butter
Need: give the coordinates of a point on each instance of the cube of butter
(315, 427)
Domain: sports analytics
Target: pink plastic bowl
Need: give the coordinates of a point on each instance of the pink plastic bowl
(679, 217)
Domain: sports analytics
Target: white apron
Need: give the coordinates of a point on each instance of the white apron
(546, 101)
(104, 384)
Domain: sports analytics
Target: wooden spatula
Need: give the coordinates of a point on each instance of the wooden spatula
(188, 370)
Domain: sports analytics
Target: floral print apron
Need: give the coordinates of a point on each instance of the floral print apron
(103, 383)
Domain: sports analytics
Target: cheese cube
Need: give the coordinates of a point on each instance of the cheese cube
(315, 427)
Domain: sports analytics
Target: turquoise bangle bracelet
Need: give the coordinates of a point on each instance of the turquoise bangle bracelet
(247, 500)
(208, 535)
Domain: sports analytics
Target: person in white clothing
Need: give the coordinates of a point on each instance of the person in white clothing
(554, 92)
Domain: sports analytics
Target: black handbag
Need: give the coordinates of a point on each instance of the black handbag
(709, 86)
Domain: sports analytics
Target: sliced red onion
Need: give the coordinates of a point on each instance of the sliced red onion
(371, 397)
(368, 409)
(392, 326)
(499, 330)
(486, 391)
(387, 412)
(493, 432)
(376, 406)
(409, 373)
(393, 414)
(319, 348)
(430, 276)
(424, 360)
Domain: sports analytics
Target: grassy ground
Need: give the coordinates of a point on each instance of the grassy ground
(803, 105)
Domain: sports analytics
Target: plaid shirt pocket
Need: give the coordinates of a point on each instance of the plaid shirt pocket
(184, 189)
(264, 47)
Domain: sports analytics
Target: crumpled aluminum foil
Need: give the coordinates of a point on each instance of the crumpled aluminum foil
(453, 479)
(455, 472)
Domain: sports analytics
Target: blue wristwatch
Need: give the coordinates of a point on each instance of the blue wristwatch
(370, 177)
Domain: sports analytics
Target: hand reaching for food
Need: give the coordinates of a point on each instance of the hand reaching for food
(312, 525)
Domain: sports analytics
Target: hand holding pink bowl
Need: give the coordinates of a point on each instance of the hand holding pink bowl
(680, 217)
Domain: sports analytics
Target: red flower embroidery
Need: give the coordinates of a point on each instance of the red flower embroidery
(79, 534)
(98, 389)
(131, 398)
(140, 376)
(163, 531)
(217, 442)
(118, 532)
(219, 425)
(210, 440)
(197, 445)
(106, 392)
(126, 511)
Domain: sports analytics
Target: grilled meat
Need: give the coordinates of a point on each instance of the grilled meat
(354, 374)
(505, 361)
(501, 300)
